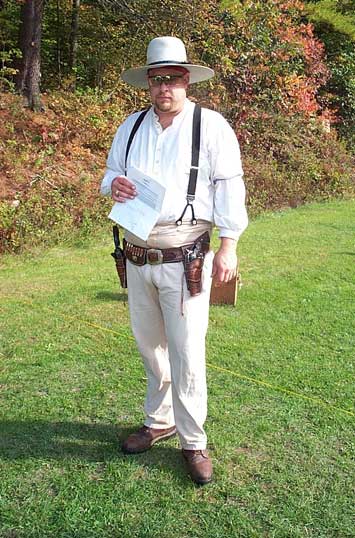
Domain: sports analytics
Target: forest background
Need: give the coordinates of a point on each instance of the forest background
(285, 80)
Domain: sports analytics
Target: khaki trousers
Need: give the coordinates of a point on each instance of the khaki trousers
(170, 329)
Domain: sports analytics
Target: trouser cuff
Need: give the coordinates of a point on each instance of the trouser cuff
(157, 425)
(194, 446)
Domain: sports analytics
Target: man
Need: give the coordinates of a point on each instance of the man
(169, 322)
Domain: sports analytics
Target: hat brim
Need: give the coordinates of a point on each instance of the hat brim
(137, 76)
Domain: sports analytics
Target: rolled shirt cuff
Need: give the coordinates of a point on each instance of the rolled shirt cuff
(231, 234)
(109, 176)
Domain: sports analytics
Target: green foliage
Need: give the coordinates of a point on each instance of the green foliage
(290, 161)
(334, 22)
(9, 51)
(9, 23)
(335, 14)
(47, 215)
(342, 87)
(6, 71)
(273, 60)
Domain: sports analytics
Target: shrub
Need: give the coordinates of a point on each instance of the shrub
(50, 168)
(44, 215)
(289, 161)
(52, 165)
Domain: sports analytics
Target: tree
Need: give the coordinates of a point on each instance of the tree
(74, 35)
(28, 79)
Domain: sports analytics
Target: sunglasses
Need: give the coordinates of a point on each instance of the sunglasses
(168, 80)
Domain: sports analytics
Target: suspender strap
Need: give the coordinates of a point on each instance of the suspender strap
(195, 156)
(132, 134)
(196, 137)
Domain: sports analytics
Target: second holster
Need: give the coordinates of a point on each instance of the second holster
(120, 258)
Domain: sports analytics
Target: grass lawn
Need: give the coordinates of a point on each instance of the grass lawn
(72, 385)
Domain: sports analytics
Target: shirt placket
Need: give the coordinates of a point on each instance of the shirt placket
(158, 151)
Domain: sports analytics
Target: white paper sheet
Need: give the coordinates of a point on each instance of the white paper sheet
(139, 215)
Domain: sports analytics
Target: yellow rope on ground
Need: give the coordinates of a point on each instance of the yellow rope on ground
(281, 389)
(236, 374)
(90, 324)
(218, 368)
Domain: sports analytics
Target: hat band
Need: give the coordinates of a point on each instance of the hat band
(168, 62)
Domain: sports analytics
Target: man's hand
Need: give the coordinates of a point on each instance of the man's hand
(122, 189)
(225, 260)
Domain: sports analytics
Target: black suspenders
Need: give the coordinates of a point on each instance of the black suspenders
(195, 155)
(132, 134)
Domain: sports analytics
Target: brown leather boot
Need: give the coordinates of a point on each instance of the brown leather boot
(145, 438)
(199, 465)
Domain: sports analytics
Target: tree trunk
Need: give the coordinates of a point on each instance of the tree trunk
(74, 37)
(28, 79)
(59, 47)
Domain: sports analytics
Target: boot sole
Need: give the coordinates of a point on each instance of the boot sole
(202, 482)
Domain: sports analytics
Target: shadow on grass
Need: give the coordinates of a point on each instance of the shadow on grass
(110, 296)
(21, 440)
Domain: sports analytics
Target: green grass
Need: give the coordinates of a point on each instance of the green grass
(70, 390)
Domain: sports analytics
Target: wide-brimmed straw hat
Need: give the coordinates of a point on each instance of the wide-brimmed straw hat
(166, 51)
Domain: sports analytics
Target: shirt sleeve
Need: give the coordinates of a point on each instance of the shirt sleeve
(229, 212)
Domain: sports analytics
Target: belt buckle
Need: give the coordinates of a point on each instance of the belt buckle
(154, 256)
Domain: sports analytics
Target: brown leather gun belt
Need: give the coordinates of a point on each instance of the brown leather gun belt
(156, 256)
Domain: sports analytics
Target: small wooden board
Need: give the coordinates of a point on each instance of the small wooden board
(225, 292)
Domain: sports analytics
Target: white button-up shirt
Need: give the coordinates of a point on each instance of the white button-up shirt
(166, 156)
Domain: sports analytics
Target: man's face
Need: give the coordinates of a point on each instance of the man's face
(169, 96)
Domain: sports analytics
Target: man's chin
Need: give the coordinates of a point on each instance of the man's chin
(164, 106)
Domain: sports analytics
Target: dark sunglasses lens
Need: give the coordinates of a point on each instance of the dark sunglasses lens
(169, 80)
